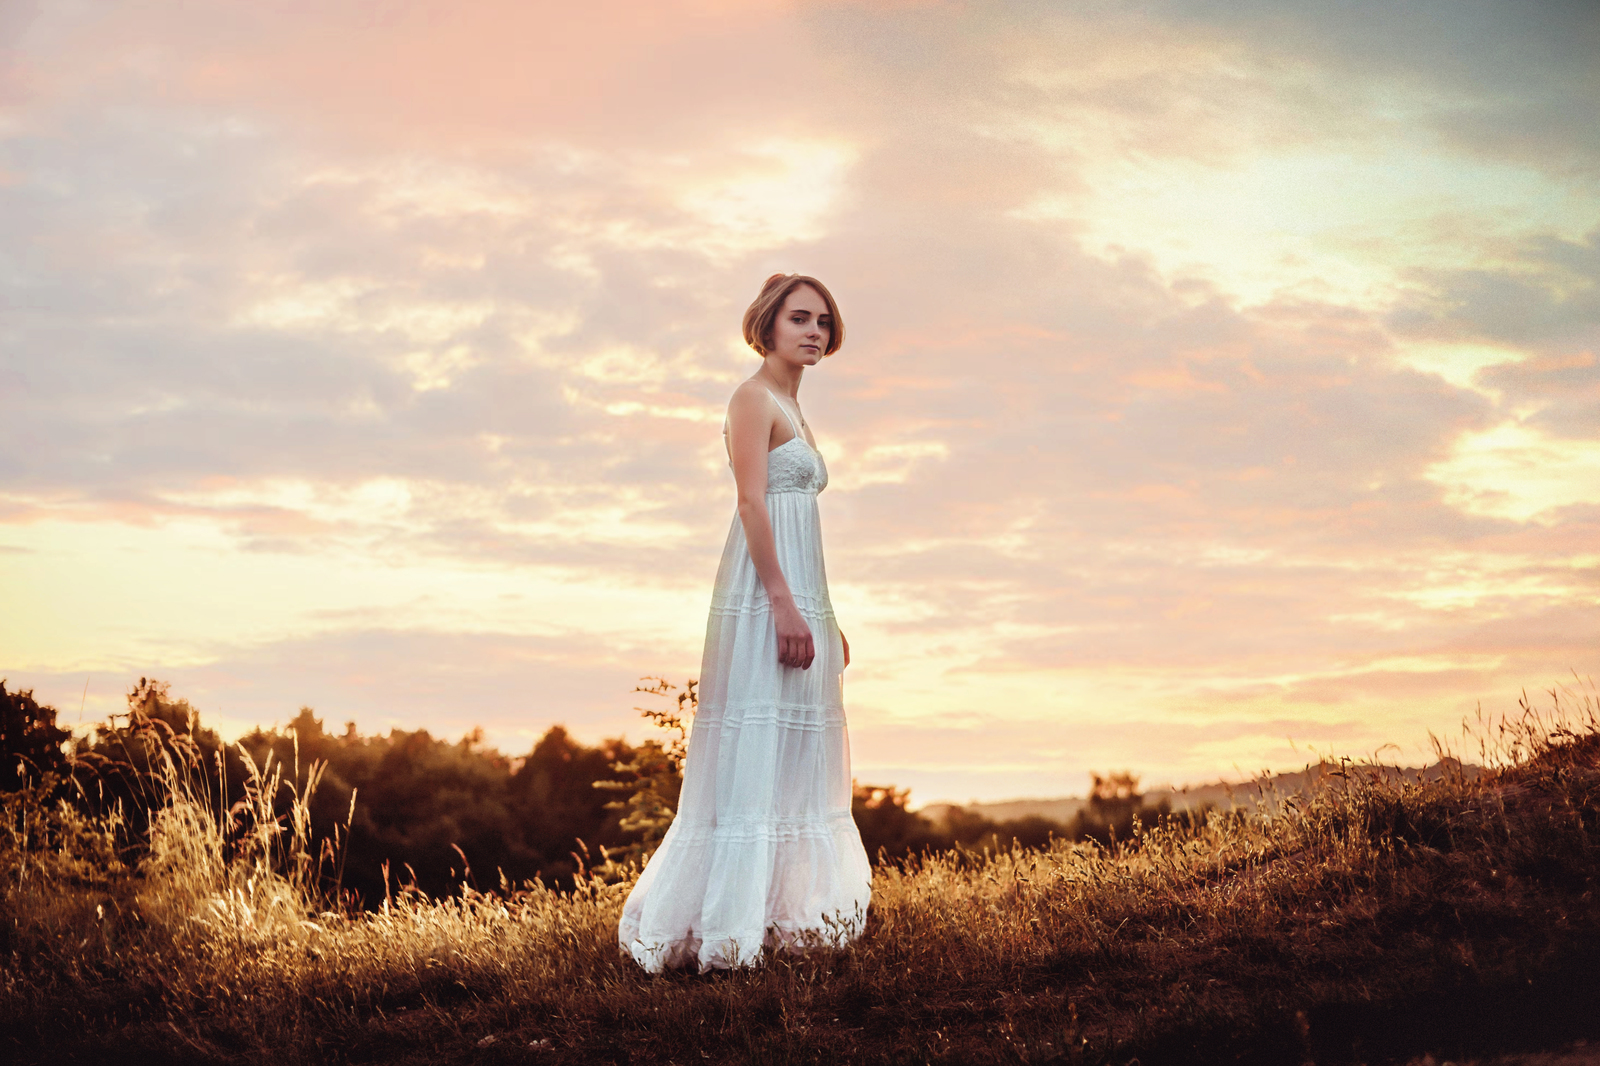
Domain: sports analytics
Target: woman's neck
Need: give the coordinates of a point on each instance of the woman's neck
(780, 375)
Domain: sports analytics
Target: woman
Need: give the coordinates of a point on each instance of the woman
(763, 850)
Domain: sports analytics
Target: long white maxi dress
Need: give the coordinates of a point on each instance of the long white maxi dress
(763, 850)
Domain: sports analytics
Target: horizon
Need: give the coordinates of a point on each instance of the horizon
(84, 731)
(1220, 380)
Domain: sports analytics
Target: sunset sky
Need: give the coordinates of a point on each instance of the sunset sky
(1220, 388)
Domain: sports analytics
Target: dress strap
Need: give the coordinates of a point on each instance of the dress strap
(785, 411)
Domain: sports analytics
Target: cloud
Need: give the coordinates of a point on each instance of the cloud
(1566, 389)
(1544, 292)
(1502, 76)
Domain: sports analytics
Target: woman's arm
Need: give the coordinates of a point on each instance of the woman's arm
(749, 433)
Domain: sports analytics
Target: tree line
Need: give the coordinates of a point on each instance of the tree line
(412, 809)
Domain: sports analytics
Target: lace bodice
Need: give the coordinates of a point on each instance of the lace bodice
(795, 466)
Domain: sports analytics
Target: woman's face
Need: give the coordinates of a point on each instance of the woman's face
(802, 330)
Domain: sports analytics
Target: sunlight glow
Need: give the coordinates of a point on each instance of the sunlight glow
(116, 597)
(705, 415)
(779, 191)
(436, 369)
(378, 501)
(1458, 363)
(1516, 472)
(884, 464)
(349, 305)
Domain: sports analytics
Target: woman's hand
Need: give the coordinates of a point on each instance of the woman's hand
(795, 646)
(846, 644)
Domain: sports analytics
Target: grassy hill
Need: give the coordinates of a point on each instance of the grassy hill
(1223, 795)
(1374, 919)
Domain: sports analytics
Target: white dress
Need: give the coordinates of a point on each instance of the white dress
(763, 850)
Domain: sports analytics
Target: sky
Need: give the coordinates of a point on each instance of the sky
(1219, 392)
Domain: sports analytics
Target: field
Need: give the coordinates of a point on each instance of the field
(1367, 922)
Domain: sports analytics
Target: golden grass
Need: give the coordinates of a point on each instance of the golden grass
(1320, 928)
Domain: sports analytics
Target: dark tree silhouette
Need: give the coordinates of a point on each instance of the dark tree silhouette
(31, 744)
(1115, 804)
(888, 829)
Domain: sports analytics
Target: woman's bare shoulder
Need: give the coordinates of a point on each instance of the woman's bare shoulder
(750, 400)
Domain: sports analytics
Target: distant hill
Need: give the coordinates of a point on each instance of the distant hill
(1057, 810)
(1222, 795)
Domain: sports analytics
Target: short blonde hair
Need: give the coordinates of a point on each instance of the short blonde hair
(763, 312)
